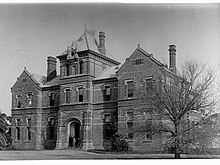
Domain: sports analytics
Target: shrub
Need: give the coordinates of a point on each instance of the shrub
(50, 144)
(119, 144)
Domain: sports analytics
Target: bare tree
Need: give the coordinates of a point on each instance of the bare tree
(184, 102)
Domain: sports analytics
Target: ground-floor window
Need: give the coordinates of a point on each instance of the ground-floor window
(17, 133)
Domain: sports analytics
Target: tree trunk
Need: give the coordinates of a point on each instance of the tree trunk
(177, 143)
(177, 155)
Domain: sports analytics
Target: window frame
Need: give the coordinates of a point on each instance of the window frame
(28, 120)
(80, 97)
(18, 100)
(67, 97)
(127, 87)
(51, 101)
(130, 124)
(30, 99)
(107, 97)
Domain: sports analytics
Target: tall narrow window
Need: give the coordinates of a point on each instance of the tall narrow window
(67, 95)
(18, 124)
(28, 129)
(148, 122)
(80, 95)
(130, 124)
(107, 93)
(81, 67)
(30, 99)
(52, 99)
(74, 70)
(107, 126)
(130, 88)
(67, 69)
(51, 129)
(19, 100)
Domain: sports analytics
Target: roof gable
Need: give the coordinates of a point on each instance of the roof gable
(37, 79)
(140, 53)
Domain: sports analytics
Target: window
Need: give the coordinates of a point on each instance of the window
(28, 129)
(81, 67)
(130, 124)
(148, 123)
(30, 97)
(80, 94)
(107, 126)
(107, 118)
(18, 124)
(138, 61)
(67, 95)
(19, 100)
(52, 99)
(107, 93)
(130, 88)
(74, 70)
(51, 128)
(149, 84)
(67, 69)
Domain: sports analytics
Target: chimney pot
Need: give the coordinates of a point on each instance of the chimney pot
(51, 68)
(172, 54)
(102, 42)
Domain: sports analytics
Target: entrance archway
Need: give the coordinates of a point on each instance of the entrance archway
(74, 133)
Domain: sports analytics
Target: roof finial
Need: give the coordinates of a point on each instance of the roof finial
(25, 68)
(138, 45)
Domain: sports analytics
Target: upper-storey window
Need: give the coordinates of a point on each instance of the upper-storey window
(30, 99)
(52, 99)
(67, 95)
(67, 69)
(80, 94)
(81, 67)
(130, 88)
(107, 93)
(19, 97)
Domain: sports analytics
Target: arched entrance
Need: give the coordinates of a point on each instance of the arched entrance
(74, 133)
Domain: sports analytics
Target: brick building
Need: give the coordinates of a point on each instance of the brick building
(92, 97)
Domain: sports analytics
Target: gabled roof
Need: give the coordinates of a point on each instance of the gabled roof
(146, 54)
(108, 73)
(38, 79)
(55, 81)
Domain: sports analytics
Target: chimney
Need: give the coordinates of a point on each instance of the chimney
(172, 53)
(102, 42)
(51, 68)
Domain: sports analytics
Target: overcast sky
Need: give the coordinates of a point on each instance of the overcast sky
(30, 33)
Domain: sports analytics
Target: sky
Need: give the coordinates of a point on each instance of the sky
(29, 33)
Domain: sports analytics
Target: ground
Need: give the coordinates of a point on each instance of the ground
(79, 154)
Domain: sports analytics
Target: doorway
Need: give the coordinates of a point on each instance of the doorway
(74, 134)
